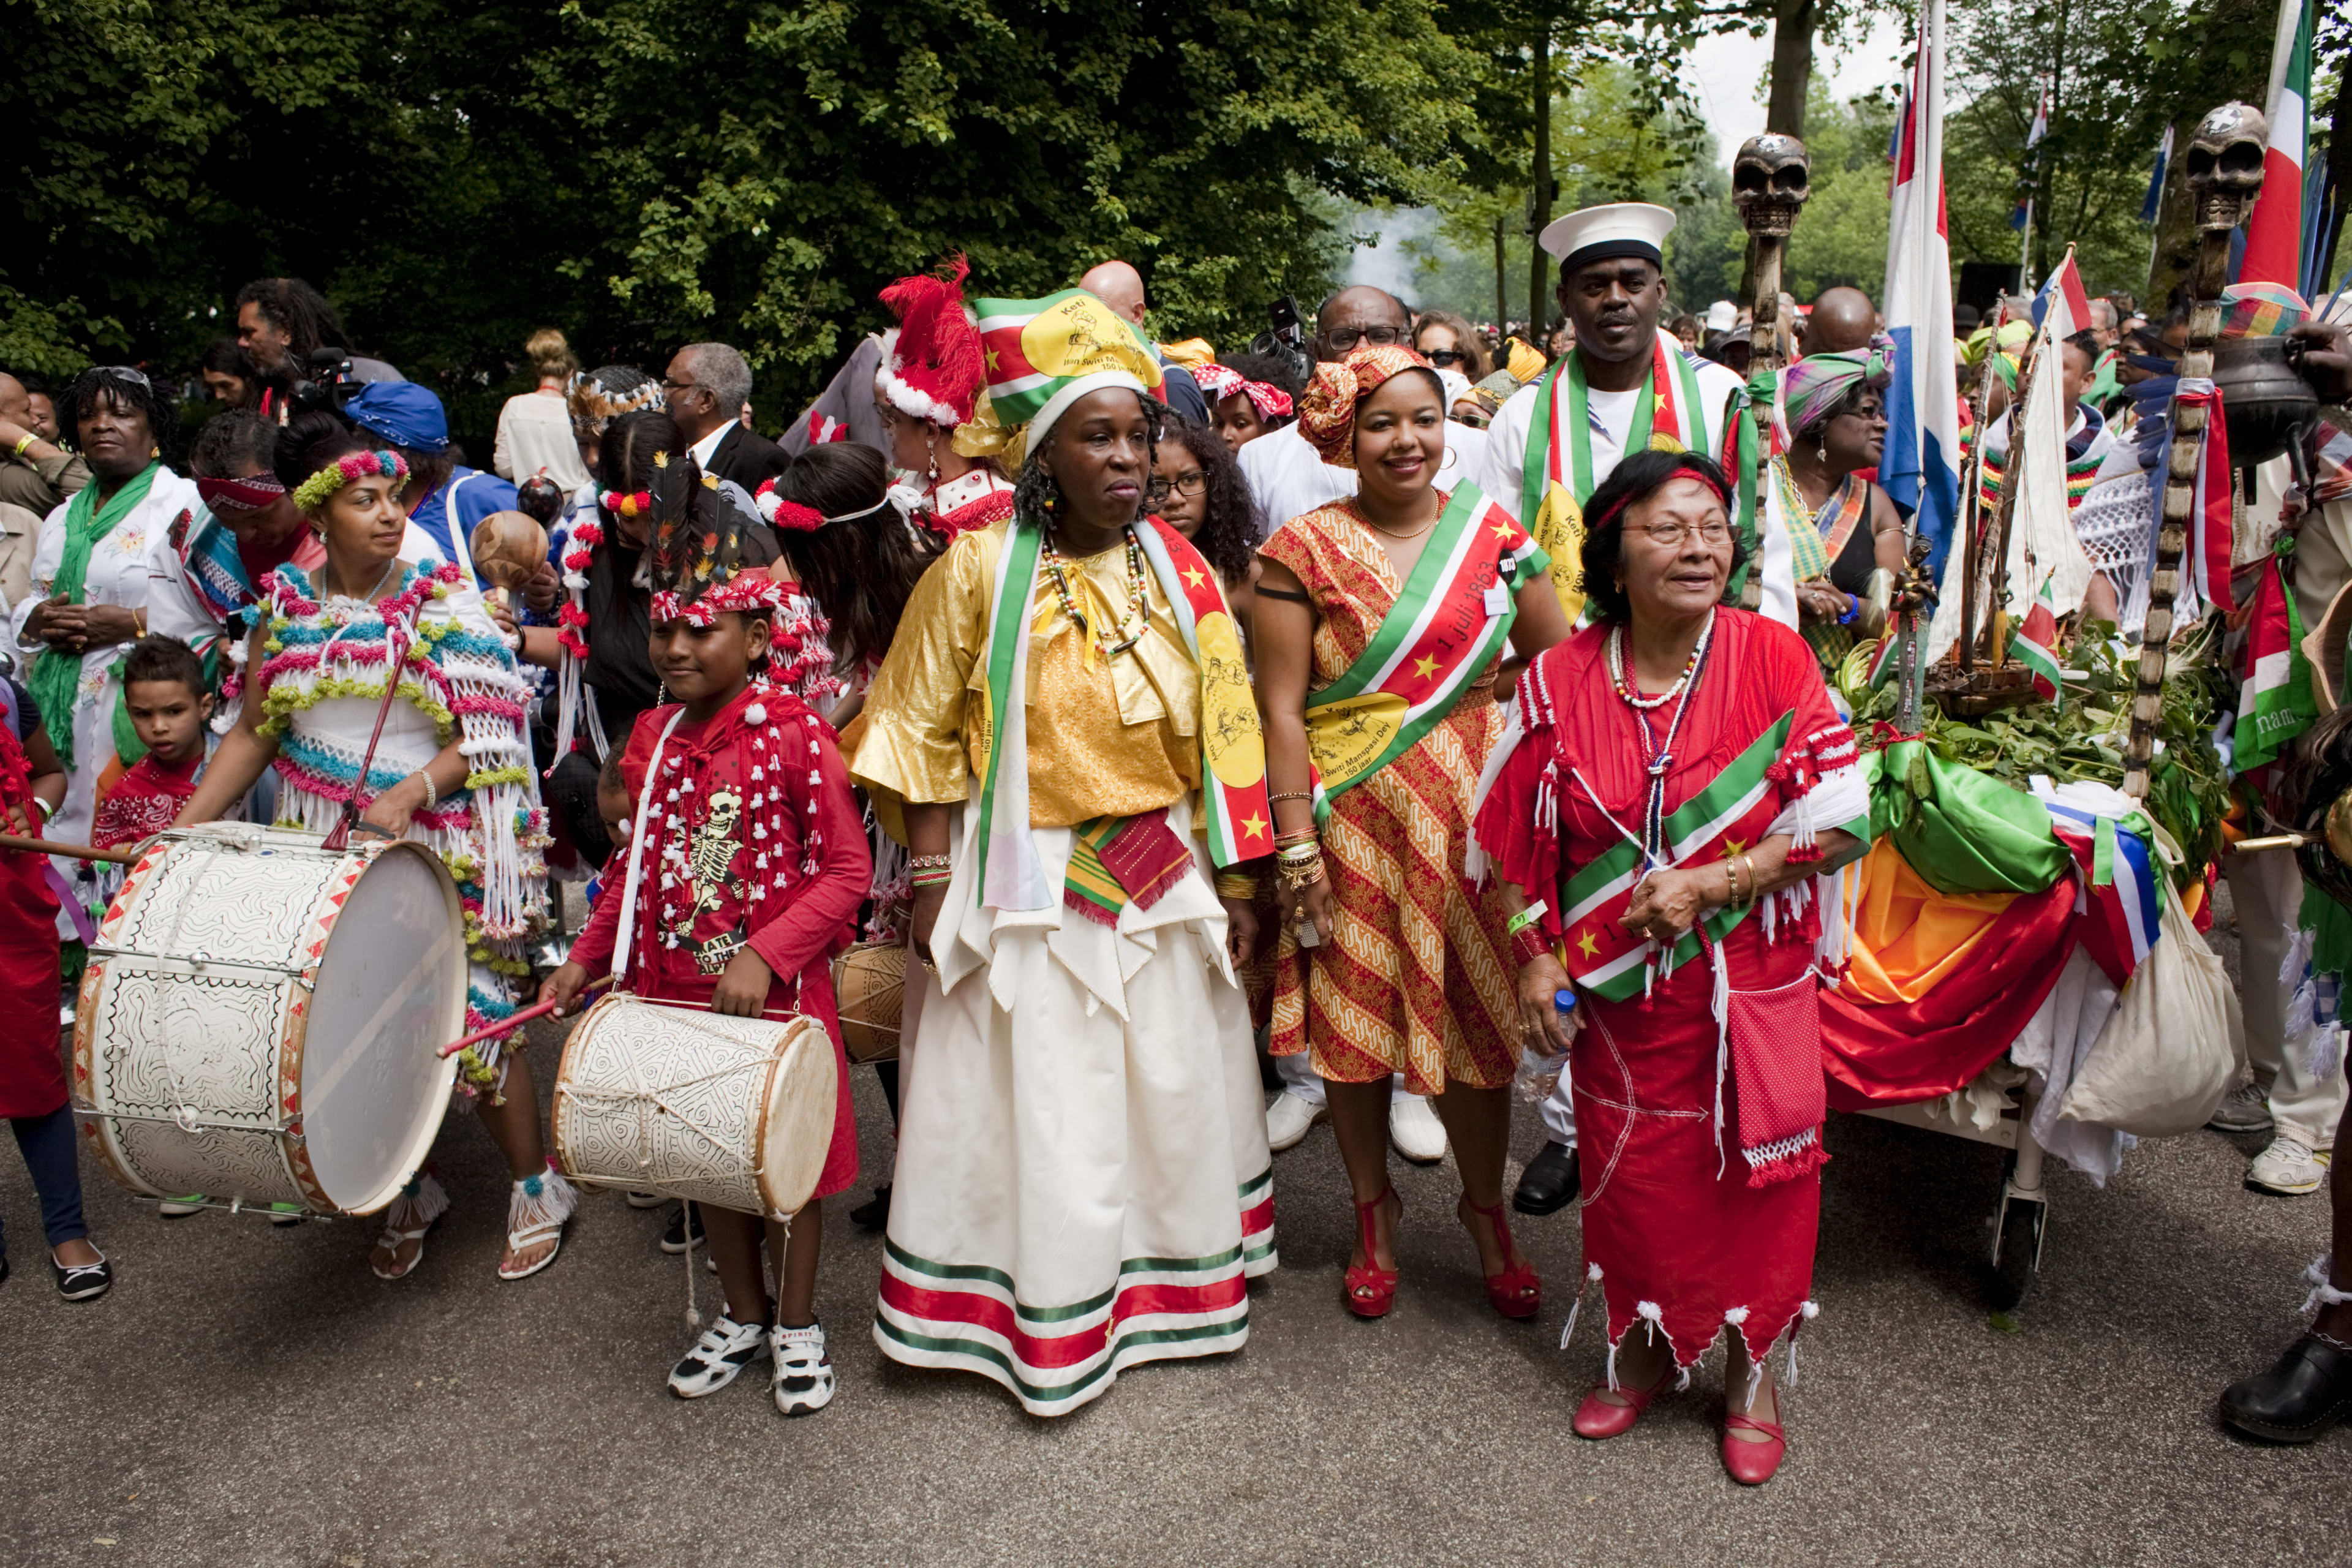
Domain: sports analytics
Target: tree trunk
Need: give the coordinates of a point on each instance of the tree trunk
(1792, 65)
(1502, 283)
(1540, 191)
(2174, 252)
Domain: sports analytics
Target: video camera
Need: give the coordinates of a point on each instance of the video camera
(1289, 337)
(327, 381)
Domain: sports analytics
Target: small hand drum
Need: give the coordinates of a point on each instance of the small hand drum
(508, 547)
(869, 984)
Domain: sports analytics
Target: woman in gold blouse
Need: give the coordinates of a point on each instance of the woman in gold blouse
(1063, 734)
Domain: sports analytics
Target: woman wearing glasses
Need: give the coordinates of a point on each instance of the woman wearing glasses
(1449, 342)
(1665, 824)
(1196, 489)
(1847, 560)
(90, 581)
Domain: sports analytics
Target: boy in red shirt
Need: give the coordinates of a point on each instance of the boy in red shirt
(169, 700)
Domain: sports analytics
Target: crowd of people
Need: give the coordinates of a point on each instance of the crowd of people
(1370, 718)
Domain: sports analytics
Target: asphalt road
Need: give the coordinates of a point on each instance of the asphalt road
(249, 1396)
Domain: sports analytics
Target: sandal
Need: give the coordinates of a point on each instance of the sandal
(536, 1210)
(1371, 1290)
(422, 1201)
(1514, 1292)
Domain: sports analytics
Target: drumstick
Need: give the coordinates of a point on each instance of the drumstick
(513, 1021)
(70, 851)
(2276, 841)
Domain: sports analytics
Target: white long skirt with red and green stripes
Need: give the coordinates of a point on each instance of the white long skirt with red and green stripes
(1083, 1181)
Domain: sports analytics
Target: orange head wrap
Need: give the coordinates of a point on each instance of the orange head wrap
(1327, 409)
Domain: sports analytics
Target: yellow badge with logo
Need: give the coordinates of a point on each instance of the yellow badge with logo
(1558, 533)
(1348, 738)
(1230, 735)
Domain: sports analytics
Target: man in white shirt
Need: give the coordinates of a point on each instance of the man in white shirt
(1621, 377)
(1287, 479)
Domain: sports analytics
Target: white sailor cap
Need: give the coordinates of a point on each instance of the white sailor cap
(1597, 234)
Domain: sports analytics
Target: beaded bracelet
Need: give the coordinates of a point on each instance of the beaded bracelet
(1298, 876)
(929, 862)
(1526, 918)
(1289, 795)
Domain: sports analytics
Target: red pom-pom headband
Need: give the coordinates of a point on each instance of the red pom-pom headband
(749, 590)
(793, 517)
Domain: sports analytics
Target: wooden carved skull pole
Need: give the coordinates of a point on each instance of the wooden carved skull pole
(2224, 173)
(1770, 179)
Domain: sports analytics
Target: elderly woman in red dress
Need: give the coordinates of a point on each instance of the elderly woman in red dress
(1681, 783)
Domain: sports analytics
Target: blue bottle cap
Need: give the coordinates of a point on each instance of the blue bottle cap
(1563, 1001)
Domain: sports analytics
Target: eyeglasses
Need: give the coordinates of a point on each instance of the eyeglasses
(675, 386)
(1665, 535)
(1444, 358)
(1344, 338)
(121, 372)
(1190, 484)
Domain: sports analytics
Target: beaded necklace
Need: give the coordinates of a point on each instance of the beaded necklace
(1658, 756)
(1137, 614)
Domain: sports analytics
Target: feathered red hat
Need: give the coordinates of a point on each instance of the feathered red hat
(932, 366)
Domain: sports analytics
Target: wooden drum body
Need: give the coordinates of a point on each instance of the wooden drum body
(869, 984)
(259, 1018)
(677, 1100)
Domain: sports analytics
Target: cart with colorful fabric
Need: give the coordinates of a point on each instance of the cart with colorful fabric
(2011, 899)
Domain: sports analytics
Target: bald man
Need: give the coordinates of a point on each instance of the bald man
(35, 473)
(1120, 287)
(1842, 321)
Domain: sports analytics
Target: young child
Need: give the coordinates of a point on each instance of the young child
(169, 702)
(750, 865)
(31, 1070)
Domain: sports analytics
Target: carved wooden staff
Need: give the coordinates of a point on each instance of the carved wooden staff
(1770, 179)
(1971, 479)
(1993, 567)
(2224, 173)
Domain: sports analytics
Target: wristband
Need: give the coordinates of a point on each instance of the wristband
(1526, 918)
(1236, 885)
(28, 440)
(1528, 944)
(432, 795)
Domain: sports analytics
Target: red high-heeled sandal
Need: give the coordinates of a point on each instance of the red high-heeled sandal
(1371, 1290)
(1515, 1293)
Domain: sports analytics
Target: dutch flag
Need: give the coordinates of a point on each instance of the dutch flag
(1920, 467)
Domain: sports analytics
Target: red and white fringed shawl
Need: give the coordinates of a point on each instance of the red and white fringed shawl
(571, 632)
(766, 743)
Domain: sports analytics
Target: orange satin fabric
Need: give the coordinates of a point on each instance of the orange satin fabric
(1906, 935)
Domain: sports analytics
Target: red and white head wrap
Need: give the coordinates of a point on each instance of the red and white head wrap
(1222, 381)
(1326, 411)
(792, 516)
(254, 492)
(750, 589)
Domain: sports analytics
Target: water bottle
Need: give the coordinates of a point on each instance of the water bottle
(1538, 1069)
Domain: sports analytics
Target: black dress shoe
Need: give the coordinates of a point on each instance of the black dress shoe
(1549, 1184)
(873, 1216)
(2299, 1399)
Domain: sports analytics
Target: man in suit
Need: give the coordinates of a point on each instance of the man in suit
(709, 385)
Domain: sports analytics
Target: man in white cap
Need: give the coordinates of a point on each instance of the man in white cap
(1625, 380)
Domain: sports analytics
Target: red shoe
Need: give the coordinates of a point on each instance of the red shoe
(1752, 1464)
(1597, 1419)
(1371, 1290)
(1515, 1293)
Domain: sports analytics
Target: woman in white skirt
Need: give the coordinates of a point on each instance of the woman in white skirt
(1083, 1181)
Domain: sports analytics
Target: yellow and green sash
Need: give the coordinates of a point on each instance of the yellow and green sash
(1451, 619)
(1233, 748)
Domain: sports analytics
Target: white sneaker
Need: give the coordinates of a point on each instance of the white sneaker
(1288, 1118)
(2245, 1108)
(803, 1376)
(724, 1348)
(1414, 1128)
(179, 1208)
(645, 1200)
(2289, 1166)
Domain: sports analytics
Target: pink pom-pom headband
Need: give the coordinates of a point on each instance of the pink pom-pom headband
(344, 470)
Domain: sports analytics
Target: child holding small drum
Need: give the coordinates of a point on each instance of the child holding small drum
(748, 860)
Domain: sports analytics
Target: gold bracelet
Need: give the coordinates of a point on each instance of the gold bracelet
(1749, 862)
(1236, 885)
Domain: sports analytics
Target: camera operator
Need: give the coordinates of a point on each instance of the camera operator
(283, 323)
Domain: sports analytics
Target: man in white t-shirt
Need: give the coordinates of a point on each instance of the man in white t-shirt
(1623, 373)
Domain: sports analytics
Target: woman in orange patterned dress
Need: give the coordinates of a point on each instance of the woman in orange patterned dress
(1381, 623)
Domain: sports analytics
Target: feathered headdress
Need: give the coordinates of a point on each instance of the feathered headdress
(932, 366)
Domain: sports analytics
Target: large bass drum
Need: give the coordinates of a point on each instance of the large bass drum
(259, 1018)
(677, 1100)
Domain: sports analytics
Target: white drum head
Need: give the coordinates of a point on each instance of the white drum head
(798, 1136)
(391, 990)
